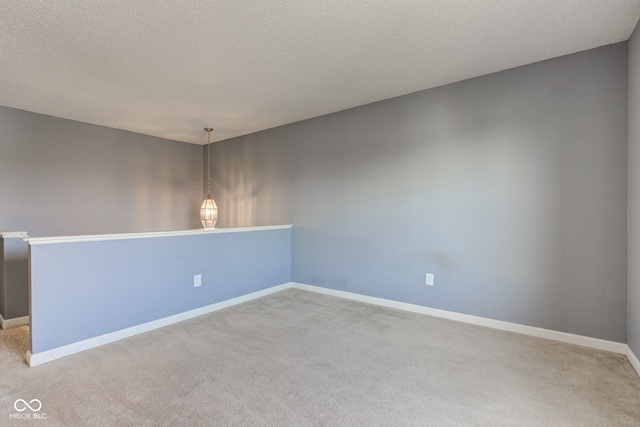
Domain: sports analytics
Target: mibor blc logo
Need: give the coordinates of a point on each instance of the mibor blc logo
(28, 410)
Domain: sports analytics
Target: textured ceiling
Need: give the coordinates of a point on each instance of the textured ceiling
(169, 68)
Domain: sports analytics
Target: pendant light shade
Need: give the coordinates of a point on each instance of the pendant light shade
(209, 212)
(208, 209)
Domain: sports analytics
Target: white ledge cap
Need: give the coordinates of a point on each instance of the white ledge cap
(7, 234)
(147, 235)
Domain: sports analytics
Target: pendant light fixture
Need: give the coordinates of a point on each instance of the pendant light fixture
(209, 209)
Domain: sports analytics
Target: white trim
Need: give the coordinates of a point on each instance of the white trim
(149, 235)
(13, 234)
(614, 347)
(56, 353)
(67, 350)
(12, 323)
(633, 359)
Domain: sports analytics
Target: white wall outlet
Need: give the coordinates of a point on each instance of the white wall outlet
(429, 279)
(197, 280)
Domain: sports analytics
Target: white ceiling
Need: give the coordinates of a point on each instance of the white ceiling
(169, 68)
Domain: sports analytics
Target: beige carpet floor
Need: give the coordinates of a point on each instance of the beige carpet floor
(301, 359)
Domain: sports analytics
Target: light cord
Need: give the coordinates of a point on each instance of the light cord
(209, 162)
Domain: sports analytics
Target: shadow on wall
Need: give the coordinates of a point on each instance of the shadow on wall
(250, 182)
(239, 187)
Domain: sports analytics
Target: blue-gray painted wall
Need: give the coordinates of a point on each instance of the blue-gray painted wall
(252, 178)
(62, 177)
(87, 289)
(14, 278)
(3, 292)
(510, 188)
(633, 296)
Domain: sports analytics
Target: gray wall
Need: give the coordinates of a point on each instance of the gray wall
(14, 278)
(633, 297)
(253, 177)
(61, 177)
(510, 188)
(3, 292)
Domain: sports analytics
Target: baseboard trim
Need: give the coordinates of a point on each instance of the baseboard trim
(596, 343)
(12, 323)
(633, 359)
(67, 350)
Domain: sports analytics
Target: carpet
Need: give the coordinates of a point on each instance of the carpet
(297, 358)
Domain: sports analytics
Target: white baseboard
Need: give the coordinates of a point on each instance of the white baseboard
(612, 346)
(12, 323)
(49, 355)
(633, 359)
(67, 350)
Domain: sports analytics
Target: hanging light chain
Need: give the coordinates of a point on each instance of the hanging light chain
(208, 209)
(208, 161)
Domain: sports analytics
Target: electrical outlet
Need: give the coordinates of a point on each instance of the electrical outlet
(197, 280)
(429, 279)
